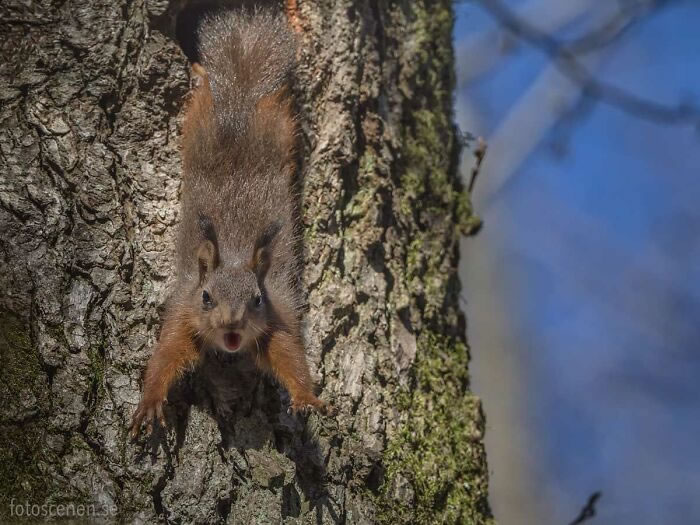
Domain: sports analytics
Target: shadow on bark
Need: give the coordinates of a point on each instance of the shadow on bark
(250, 412)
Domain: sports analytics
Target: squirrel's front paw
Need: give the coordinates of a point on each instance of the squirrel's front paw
(304, 404)
(148, 410)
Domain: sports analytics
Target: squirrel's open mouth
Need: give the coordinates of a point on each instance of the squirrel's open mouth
(232, 340)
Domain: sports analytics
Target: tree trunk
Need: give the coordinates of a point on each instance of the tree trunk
(90, 101)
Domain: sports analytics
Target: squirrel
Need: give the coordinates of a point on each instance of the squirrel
(236, 263)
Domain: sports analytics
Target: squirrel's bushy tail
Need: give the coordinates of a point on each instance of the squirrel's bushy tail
(241, 114)
(247, 56)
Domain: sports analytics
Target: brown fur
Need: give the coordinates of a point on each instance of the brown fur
(237, 263)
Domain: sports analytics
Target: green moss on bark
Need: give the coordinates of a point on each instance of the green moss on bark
(435, 464)
(20, 364)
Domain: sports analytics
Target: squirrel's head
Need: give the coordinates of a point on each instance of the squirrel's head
(233, 311)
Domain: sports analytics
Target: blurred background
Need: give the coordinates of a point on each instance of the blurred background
(583, 288)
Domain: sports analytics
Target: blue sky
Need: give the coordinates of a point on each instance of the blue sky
(595, 238)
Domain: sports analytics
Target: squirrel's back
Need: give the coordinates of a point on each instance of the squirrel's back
(239, 135)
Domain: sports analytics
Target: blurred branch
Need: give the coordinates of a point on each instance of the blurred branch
(588, 511)
(563, 129)
(616, 26)
(565, 59)
(536, 111)
(570, 254)
(479, 154)
(485, 50)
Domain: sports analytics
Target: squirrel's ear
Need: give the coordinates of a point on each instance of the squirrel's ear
(262, 253)
(261, 262)
(208, 259)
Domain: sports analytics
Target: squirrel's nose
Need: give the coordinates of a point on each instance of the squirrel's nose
(236, 319)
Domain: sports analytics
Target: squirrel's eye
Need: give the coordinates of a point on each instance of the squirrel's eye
(258, 301)
(206, 298)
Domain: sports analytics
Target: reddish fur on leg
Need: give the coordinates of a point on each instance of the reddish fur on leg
(176, 351)
(285, 358)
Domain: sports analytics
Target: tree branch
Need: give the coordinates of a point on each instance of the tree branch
(566, 61)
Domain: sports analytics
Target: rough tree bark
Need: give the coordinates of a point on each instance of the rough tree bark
(90, 100)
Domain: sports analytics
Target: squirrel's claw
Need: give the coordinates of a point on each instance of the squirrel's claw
(160, 415)
(307, 405)
(147, 411)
